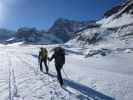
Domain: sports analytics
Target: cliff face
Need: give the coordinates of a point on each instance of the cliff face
(64, 28)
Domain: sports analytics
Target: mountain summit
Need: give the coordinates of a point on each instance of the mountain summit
(63, 28)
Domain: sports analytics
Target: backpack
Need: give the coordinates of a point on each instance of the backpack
(44, 53)
(60, 50)
(59, 55)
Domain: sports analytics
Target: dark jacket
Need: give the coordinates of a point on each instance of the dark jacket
(59, 57)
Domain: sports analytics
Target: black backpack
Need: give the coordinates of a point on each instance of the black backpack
(59, 55)
(59, 50)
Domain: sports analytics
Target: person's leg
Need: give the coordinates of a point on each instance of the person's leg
(41, 68)
(46, 66)
(59, 76)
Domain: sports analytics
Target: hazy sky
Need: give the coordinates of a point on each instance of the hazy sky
(42, 13)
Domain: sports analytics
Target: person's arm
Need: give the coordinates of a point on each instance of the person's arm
(39, 56)
(53, 56)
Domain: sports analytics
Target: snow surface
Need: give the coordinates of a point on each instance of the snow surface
(94, 78)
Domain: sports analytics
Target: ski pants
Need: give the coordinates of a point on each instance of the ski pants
(45, 63)
(59, 76)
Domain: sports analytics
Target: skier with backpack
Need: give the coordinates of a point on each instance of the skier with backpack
(59, 56)
(43, 57)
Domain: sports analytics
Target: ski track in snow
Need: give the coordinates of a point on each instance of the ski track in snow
(26, 80)
(88, 79)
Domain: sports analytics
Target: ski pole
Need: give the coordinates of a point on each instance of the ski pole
(48, 63)
(65, 73)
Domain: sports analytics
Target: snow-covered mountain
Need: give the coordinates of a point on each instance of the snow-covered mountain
(117, 24)
(33, 36)
(127, 7)
(122, 15)
(5, 34)
(61, 31)
(64, 28)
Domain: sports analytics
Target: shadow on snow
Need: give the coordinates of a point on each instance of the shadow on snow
(85, 91)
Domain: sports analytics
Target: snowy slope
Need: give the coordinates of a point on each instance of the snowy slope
(123, 16)
(115, 27)
(95, 78)
(109, 22)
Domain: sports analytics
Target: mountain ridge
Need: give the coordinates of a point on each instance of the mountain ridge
(117, 26)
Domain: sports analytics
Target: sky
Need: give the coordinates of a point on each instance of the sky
(42, 13)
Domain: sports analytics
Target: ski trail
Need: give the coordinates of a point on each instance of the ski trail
(23, 81)
(13, 94)
(4, 76)
(34, 84)
(48, 82)
(13, 90)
